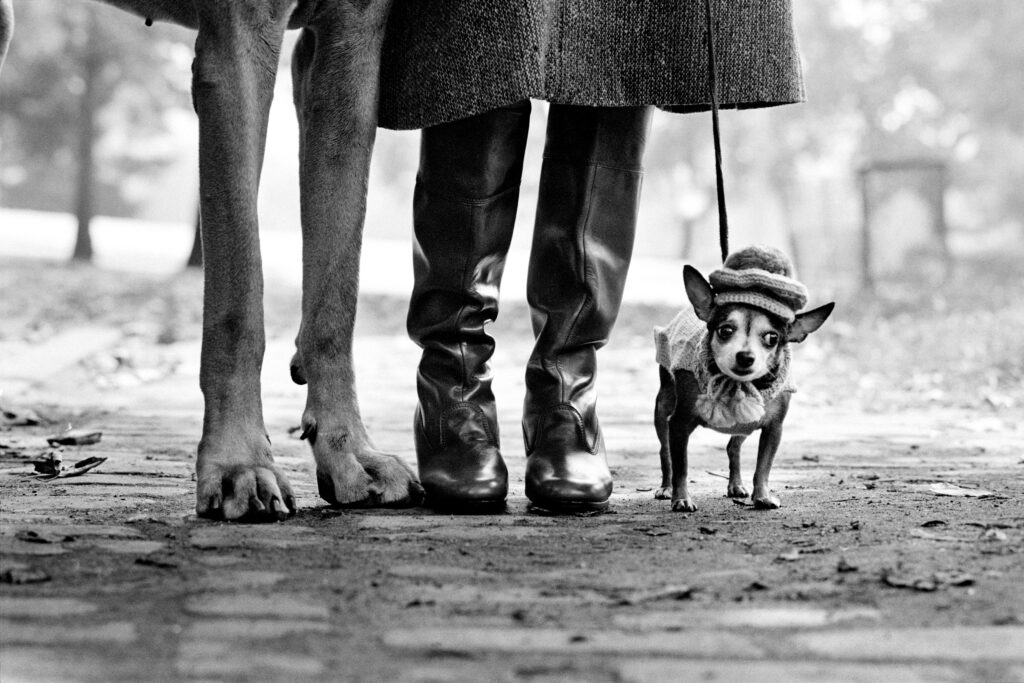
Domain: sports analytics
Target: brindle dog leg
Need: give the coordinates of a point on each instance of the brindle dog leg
(336, 68)
(233, 80)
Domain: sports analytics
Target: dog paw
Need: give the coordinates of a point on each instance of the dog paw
(683, 505)
(766, 501)
(736, 491)
(244, 488)
(663, 493)
(350, 475)
(393, 483)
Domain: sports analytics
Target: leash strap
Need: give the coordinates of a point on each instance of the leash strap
(723, 218)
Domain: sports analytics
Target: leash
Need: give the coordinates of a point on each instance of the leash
(723, 218)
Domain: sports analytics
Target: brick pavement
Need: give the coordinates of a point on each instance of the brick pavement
(137, 588)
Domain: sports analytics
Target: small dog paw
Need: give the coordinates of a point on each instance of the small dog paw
(663, 493)
(736, 491)
(683, 505)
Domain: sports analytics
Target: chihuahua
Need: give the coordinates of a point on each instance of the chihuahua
(725, 365)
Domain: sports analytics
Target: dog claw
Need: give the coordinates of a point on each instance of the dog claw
(235, 492)
(663, 493)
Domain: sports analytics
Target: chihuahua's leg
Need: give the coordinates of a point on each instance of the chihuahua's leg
(771, 437)
(735, 488)
(664, 405)
(680, 426)
(337, 105)
(233, 81)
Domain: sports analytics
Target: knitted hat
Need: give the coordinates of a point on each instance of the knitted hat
(762, 277)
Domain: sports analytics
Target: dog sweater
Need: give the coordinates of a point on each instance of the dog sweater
(725, 404)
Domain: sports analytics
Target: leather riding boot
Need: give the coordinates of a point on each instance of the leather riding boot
(465, 203)
(582, 245)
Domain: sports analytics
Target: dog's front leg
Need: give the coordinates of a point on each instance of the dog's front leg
(337, 66)
(233, 79)
(680, 428)
(735, 488)
(664, 406)
(768, 446)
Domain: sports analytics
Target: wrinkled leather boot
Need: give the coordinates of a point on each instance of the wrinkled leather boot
(464, 211)
(582, 245)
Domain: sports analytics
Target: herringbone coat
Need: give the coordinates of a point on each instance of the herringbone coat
(448, 59)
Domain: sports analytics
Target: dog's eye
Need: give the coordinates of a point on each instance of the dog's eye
(771, 339)
(725, 331)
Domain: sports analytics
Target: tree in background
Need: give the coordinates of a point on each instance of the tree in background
(84, 92)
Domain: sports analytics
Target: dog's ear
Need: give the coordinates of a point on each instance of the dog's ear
(699, 292)
(808, 322)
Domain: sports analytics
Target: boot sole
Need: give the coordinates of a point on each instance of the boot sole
(567, 507)
(457, 506)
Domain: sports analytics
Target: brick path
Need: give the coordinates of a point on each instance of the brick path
(138, 589)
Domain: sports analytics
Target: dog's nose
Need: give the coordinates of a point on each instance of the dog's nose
(744, 359)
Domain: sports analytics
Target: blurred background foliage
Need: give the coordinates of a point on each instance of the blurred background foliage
(95, 118)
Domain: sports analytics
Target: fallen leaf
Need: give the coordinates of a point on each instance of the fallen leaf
(33, 536)
(76, 470)
(48, 465)
(934, 522)
(158, 562)
(75, 437)
(20, 417)
(666, 593)
(927, 584)
(994, 535)
(22, 575)
(954, 579)
(844, 567)
(927, 535)
(943, 489)
(789, 556)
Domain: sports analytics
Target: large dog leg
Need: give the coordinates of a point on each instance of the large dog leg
(233, 79)
(6, 28)
(336, 69)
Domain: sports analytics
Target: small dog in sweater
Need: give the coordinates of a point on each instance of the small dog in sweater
(724, 364)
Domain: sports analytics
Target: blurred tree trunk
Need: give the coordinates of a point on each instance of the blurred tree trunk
(88, 105)
(195, 259)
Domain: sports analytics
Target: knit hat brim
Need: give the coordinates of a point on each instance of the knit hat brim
(772, 292)
(757, 300)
